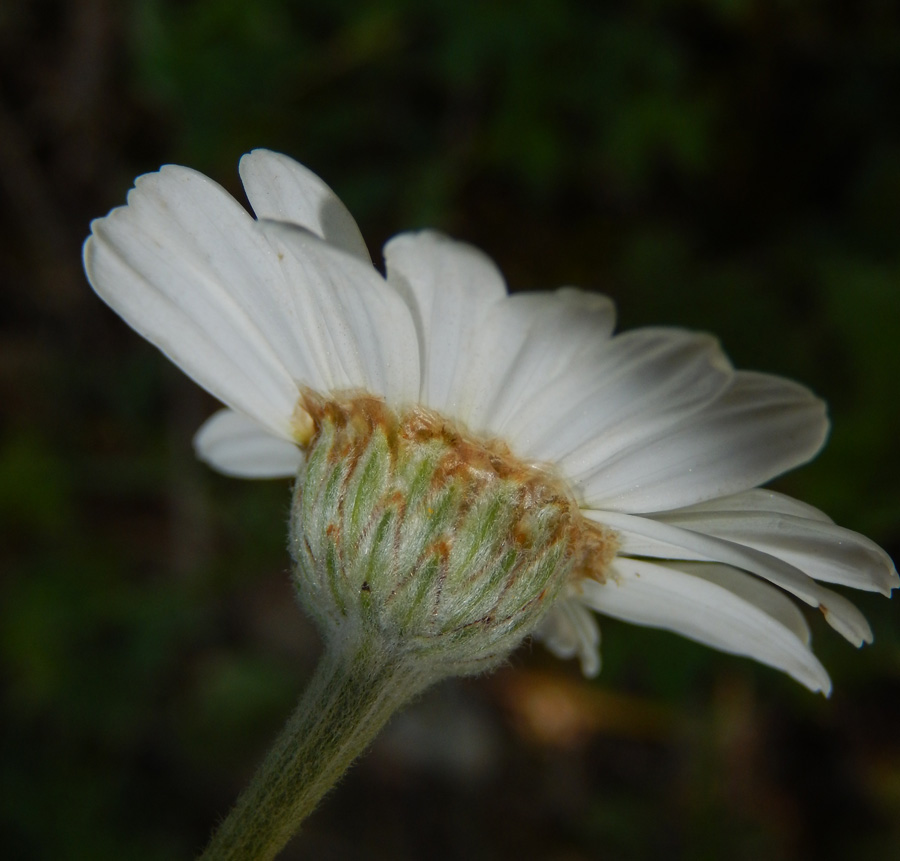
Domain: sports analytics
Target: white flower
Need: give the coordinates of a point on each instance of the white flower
(655, 435)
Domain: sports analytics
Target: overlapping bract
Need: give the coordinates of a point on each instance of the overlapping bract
(656, 435)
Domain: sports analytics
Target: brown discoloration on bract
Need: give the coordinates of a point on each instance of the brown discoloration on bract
(598, 547)
(469, 461)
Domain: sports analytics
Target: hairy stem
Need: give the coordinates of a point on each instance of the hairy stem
(353, 693)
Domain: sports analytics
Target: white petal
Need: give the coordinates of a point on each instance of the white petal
(183, 264)
(235, 445)
(821, 549)
(281, 189)
(760, 427)
(767, 598)
(703, 610)
(761, 499)
(634, 387)
(569, 630)
(638, 535)
(356, 332)
(524, 343)
(448, 287)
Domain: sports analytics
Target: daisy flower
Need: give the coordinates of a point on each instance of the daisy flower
(651, 444)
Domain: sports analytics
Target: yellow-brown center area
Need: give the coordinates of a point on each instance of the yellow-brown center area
(467, 458)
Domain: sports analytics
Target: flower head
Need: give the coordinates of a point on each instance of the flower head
(646, 449)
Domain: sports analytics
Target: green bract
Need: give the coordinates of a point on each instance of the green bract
(404, 529)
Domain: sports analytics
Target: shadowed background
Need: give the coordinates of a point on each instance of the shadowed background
(726, 165)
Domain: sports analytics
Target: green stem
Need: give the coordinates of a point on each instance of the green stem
(351, 696)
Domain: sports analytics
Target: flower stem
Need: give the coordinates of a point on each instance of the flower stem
(353, 693)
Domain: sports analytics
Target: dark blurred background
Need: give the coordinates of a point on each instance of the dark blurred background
(727, 165)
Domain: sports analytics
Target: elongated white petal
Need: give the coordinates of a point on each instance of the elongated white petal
(235, 445)
(568, 631)
(767, 598)
(707, 611)
(760, 499)
(448, 286)
(760, 427)
(633, 388)
(183, 264)
(822, 550)
(281, 189)
(524, 343)
(355, 331)
(638, 535)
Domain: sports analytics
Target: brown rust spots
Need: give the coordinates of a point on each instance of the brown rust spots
(467, 460)
(596, 550)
